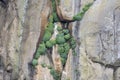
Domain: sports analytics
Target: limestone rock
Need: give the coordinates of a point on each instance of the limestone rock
(43, 73)
(99, 37)
(68, 70)
(55, 55)
(22, 26)
(65, 9)
(94, 71)
(117, 74)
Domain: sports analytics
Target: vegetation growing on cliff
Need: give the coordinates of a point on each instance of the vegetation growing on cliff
(64, 40)
(80, 15)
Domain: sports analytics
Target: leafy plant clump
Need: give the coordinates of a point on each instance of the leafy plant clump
(34, 62)
(50, 27)
(80, 15)
(56, 75)
(47, 36)
(63, 40)
(54, 12)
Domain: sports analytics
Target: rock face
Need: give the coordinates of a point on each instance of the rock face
(22, 26)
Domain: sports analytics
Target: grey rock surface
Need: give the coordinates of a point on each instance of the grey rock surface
(22, 25)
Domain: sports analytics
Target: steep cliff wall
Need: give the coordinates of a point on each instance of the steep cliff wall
(91, 38)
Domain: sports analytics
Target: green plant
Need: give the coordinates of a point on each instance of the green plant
(73, 46)
(37, 55)
(72, 41)
(42, 48)
(66, 47)
(54, 12)
(63, 55)
(59, 28)
(80, 15)
(51, 19)
(65, 31)
(67, 36)
(53, 41)
(53, 5)
(34, 62)
(47, 36)
(60, 39)
(63, 60)
(60, 49)
(55, 17)
(44, 65)
(86, 7)
(50, 27)
(55, 74)
(49, 44)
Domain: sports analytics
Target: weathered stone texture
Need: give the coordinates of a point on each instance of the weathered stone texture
(22, 25)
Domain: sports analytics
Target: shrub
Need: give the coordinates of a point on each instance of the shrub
(51, 19)
(42, 49)
(63, 61)
(60, 39)
(37, 55)
(55, 17)
(73, 46)
(49, 44)
(50, 27)
(80, 15)
(66, 47)
(65, 31)
(53, 41)
(47, 36)
(34, 62)
(54, 5)
(59, 28)
(67, 36)
(60, 49)
(72, 41)
(55, 74)
(63, 55)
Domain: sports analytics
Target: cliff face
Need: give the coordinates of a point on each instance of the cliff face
(22, 27)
